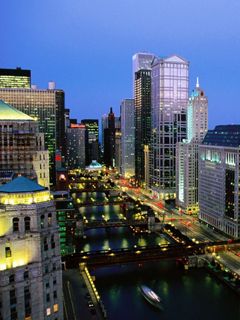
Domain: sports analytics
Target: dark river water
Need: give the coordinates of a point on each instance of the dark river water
(187, 295)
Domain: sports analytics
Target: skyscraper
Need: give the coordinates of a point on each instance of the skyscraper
(47, 106)
(118, 150)
(22, 147)
(15, 78)
(30, 262)
(127, 138)
(142, 120)
(219, 158)
(141, 61)
(109, 141)
(76, 140)
(92, 142)
(169, 101)
(187, 152)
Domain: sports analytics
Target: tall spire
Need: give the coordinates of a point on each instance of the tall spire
(197, 83)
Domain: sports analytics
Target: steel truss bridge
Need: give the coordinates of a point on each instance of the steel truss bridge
(143, 254)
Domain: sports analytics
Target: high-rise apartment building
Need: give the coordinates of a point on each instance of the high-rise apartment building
(92, 142)
(127, 138)
(169, 87)
(22, 147)
(15, 78)
(219, 161)
(30, 262)
(187, 152)
(46, 106)
(142, 95)
(109, 141)
(76, 140)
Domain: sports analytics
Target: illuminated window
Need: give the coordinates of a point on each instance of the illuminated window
(55, 307)
(48, 311)
(8, 252)
(15, 224)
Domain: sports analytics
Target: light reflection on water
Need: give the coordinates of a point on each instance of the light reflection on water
(192, 295)
(185, 295)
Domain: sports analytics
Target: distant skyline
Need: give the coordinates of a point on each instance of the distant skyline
(86, 47)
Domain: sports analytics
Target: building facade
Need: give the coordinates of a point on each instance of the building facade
(15, 78)
(30, 262)
(118, 150)
(142, 95)
(219, 176)
(22, 147)
(46, 106)
(109, 141)
(187, 152)
(76, 140)
(92, 141)
(127, 138)
(169, 87)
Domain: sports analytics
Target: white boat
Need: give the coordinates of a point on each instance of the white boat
(151, 296)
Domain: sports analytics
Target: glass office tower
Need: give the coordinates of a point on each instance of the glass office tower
(169, 89)
(127, 138)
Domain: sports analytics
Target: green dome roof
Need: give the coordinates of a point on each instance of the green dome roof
(8, 112)
(20, 185)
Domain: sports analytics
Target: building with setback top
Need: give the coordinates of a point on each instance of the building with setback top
(46, 106)
(187, 152)
(22, 147)
(109, 140)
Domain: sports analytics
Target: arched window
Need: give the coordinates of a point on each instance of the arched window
(42, 221)
(27, 223)
(49, 219)
(15, 222)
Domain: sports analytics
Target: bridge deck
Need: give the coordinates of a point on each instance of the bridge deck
(142, 254)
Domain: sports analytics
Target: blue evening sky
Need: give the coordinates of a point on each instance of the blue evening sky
(86, 46)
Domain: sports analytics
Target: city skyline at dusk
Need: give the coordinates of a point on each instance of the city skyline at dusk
(87, 48)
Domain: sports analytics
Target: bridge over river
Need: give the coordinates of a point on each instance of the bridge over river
(143, 254)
